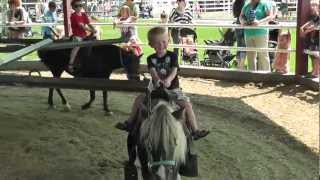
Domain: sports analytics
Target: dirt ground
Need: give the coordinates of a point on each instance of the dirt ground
(269, 132)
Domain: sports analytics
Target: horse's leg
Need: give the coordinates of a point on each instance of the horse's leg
(131, 146)
(92, 98)
(67, 106)
(50, 99)
(105, 104)
(56, 74)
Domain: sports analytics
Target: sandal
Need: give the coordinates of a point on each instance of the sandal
(124, 126)
(198, 134)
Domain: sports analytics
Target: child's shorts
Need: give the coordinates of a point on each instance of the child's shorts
(178, 95)
(77, 39)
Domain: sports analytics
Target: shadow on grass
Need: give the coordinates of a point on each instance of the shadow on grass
(298, 91)
(250, 133)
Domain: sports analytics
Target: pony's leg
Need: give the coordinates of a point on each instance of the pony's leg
(92, 98)
(50, 99)
(67, 106)
(131, 147)
(105, 103)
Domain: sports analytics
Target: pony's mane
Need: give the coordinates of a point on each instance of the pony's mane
(163, 131)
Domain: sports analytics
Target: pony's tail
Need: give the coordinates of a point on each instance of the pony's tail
(163, 132)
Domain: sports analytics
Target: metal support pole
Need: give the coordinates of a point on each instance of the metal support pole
(66, 17)
(303, 10)
(4, 8)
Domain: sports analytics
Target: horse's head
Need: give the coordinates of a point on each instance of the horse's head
(163, 142)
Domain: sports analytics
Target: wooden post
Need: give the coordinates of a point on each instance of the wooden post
(66, 17)
(303, 10)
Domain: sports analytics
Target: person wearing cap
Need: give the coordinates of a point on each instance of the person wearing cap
(50, 16)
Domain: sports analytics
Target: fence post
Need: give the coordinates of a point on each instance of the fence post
(66, 17)
(302, 17)
(3, 6)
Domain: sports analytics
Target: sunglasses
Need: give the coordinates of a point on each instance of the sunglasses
(77, 5)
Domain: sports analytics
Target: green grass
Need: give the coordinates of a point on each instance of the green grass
(204, 33)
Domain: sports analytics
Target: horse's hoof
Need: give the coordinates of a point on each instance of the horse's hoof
(86, 106)
(52, 107)
(108, 113)
(67, 108)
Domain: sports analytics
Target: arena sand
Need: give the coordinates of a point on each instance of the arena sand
(271, 132)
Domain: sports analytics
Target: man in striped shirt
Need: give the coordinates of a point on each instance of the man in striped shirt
(181, 15)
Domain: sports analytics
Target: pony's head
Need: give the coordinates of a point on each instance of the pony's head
(163, 138)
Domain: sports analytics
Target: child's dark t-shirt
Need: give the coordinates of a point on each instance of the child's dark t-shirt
(164, 66)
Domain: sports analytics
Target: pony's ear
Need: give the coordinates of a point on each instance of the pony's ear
(179, 114)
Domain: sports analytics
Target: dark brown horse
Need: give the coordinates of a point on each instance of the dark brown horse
(94, 62)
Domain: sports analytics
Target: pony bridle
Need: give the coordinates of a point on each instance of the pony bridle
(152, 163)
(162, 163)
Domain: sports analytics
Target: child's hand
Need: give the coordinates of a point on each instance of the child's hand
(255, 23)
(166, 83)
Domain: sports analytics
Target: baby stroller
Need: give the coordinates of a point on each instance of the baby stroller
(220, 58)
(273, 41)
(189, 54)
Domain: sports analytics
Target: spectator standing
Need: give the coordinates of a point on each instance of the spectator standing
(133, 14)
(255, 13)
(196, 9)
(181, 15)
(280, 63)
(241, 55)
(126, 31)
(50, 16)
(284, 9)
(17, 15)
(311, 33)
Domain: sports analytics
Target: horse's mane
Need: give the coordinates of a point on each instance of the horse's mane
(163, 131)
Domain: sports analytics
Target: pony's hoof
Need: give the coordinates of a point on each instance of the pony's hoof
(85, 107)
(108, 113)
(67, 108)
(52, 107)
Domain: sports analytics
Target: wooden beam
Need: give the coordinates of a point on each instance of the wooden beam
(186, 71)
(210, 73)
(302, 17)
(18, 54)
(8, 48)
(70, 44)
(76, 83)
(20, 41)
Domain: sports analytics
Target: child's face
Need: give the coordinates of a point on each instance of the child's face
(164, 20)
(77, 7)
(52, 9)
(284, 41)
(160, 43)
